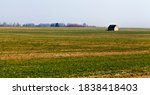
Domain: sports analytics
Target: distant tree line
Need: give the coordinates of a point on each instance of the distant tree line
(10, 24)
(4, 24)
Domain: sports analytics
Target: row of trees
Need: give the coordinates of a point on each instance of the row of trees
(10, 24)
(43, 25)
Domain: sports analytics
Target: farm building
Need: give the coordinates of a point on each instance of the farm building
(113, 28)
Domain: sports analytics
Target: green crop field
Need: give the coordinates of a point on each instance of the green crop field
(73, 52)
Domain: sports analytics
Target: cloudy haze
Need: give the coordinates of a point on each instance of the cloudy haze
(125, 13)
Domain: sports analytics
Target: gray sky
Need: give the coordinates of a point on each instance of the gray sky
(125, 13)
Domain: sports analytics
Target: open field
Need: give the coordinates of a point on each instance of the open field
(74, 52)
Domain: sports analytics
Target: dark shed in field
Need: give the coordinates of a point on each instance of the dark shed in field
(113, 28)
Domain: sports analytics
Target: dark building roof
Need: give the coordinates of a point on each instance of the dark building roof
(111, 27)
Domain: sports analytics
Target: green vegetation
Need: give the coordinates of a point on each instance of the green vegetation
(74, 52)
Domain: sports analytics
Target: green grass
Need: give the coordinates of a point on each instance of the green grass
(75, 67)
(15, 42)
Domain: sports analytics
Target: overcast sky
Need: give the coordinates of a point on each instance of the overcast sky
(125, 13)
